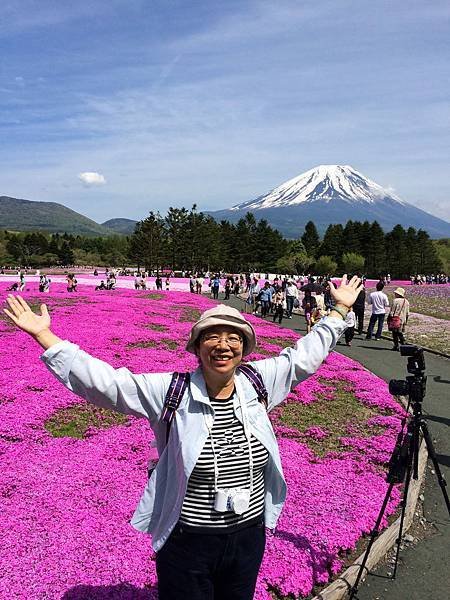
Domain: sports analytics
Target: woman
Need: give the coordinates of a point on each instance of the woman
(265, 298)
(251, 302)
(209, 539)
(309, 305)
(398, 317)
(279, 304)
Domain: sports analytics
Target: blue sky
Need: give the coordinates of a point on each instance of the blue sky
(172, 102)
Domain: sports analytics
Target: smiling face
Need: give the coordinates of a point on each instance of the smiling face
(220, 350)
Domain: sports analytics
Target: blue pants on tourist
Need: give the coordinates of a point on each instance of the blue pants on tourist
(375, 319)
(265, 304)
(289, 305)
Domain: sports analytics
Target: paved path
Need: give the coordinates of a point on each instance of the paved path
(423, 572)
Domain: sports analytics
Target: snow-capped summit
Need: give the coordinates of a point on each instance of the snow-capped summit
(333, 194)
(324, 183)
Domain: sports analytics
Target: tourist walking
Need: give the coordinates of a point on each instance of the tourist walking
(398, 317)
(252, 296)
(291, 296)
(278, 301)
(350, 320)
(215, 286)
(308, 305)
(227, 287)
(359, 308)
(205, 509)
(199, 284)
(265, 298)
(379, 303)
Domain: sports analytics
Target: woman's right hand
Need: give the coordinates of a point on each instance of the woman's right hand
(23, 317)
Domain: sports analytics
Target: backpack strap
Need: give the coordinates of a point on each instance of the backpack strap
(255, 378)
(175, 393)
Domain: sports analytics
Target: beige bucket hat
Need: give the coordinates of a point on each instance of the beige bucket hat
(400, 292)
(223, 315)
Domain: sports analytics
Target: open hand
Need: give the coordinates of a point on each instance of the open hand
(346, 293)
(21, 315)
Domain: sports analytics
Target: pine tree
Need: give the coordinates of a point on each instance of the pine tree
(176, 222)
(350, 237)
(332, 242)
(376, 256)
(148, 242)
(310, 239)
(397, 259)
(429, 261)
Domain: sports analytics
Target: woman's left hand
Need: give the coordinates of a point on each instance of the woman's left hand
(347, 292)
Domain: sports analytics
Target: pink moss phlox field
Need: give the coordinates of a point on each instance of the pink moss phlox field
(66, 502)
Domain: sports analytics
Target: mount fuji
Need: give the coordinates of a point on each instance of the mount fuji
(330, 194)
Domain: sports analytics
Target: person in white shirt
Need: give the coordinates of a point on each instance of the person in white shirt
(379, 302)
(350, 320)
(291, 297)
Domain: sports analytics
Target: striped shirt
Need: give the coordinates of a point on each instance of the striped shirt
(232, 453)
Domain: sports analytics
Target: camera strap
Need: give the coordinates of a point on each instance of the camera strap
(246, 424)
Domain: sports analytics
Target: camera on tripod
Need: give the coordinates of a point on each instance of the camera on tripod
(404, 461)
(414, 385)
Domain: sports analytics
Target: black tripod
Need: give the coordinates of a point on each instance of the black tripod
(404, 461)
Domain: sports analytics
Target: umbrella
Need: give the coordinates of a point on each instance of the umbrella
(315, 288)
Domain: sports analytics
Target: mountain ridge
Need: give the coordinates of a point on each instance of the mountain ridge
(332, 194)
(18, 214)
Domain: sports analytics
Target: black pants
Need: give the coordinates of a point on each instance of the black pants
(210, 566)
(349, 333)
(278, 314)
(397, 337)
(359, 314)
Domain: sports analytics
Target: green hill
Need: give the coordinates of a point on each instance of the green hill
(124, 226)
(27, 215)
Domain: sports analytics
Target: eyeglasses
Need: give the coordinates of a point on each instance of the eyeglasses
(232, 341)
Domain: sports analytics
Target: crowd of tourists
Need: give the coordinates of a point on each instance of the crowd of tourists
(439, 278)
(311, 297)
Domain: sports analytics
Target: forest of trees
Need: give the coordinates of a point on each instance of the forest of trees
(188, 240)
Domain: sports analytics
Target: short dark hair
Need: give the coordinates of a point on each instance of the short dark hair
(380, 286)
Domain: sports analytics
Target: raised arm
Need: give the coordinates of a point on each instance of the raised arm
(88, 377)
(38, 326)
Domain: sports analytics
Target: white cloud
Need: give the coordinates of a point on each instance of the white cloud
(91, 178)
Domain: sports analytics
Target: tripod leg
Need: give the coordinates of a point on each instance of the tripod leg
(374, 533)
(404, 501)
(432, 455)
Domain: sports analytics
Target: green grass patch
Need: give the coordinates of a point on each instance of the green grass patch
(154, 327)
(76, 420)
(143, 344)
(170, 344)
(333, 415)
(189, 314)
(154, 296)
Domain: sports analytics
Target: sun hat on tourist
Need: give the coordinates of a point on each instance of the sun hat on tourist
(400, 292)
(223, 315)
